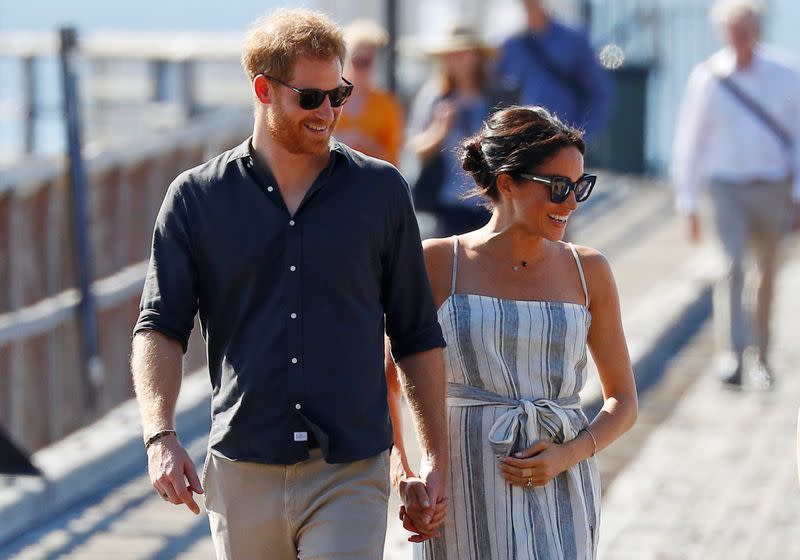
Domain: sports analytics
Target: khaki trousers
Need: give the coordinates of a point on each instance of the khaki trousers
(748, 215)
(309, 510)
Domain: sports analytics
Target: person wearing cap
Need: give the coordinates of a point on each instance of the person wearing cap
(449, 107)
(555, 67)
(372, 123)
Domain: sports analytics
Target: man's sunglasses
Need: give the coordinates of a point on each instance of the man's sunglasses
(311, 98)
(560, 186)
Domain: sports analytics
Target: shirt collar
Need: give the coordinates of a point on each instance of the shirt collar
(246, 151)
(726, 62)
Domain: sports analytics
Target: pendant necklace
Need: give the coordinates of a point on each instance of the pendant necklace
(522, 264)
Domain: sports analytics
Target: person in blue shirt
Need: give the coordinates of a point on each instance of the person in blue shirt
(555, 67)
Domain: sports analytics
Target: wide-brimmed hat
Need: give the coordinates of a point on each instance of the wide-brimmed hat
(461, 37)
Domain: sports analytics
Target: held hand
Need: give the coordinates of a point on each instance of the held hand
(170, 467)
(415, 513)
(536, 465)
(694, 228)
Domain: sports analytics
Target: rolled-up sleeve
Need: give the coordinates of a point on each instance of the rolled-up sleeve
(169, 297)
(411, 322)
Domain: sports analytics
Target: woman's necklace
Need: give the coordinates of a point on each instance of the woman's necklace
(522, 264)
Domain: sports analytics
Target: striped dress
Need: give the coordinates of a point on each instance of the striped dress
(514, 370)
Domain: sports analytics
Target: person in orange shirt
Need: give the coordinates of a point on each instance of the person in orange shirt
(373, 120)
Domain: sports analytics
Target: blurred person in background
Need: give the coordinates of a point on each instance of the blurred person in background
(450, 107)
(273, 243)
(518, 308)
(737, 135)
(372, 122)
(554, 66)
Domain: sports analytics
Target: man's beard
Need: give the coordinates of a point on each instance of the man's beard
(289, 134)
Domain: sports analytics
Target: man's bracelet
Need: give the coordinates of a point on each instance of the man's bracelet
(157, 436)
(591, 435)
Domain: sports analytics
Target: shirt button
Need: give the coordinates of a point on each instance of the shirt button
(293, 315)
(291, 222)
(297, 406)
(270, 189)
(294, 360)
(293, 268)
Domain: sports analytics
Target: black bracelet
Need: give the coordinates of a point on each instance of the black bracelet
(156, 436)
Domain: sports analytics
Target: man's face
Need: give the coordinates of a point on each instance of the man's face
(297, 130)
(742, 33)
(532, 4)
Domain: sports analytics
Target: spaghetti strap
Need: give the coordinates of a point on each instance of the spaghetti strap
(580, 271)
(455, 265)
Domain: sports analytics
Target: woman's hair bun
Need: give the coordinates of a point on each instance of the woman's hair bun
(472, 159)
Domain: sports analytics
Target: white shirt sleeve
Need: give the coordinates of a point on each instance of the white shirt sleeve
(689, 139)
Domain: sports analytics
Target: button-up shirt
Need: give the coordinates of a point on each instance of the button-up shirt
(292, 307)
(718, 138)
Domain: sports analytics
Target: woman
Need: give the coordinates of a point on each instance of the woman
(450, 107)
(372, 122)
(518, 307)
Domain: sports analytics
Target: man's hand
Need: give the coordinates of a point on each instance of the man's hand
(170, 467)
(424, 505)
(694, 228)
(415, 511)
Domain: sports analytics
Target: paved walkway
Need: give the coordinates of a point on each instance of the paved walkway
(686, 445)
(718, 477)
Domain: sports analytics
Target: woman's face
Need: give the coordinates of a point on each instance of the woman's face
(462, 65)
(530, 201)
(359, 64)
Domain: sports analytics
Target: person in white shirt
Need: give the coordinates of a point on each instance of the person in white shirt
(737, 134)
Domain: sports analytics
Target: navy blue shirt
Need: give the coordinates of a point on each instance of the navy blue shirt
(292, 308)
(586, 101)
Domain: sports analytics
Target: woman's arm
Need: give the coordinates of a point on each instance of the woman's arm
(610, 351)
(400, 467)
(543, 461)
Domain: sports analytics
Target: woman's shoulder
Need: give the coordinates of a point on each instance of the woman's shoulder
(439, 263)
(596, 267)
(438, 251)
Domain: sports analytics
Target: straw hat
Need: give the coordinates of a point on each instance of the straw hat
(461, 37)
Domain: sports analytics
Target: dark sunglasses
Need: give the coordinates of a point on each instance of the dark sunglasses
(311, 98)
(560, 186)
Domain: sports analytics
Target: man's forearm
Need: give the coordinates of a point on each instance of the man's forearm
(423, 379)
(156, 366)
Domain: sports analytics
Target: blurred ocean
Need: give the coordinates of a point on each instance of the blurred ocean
(87, 15)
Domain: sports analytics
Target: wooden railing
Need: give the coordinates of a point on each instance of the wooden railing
(43, 387)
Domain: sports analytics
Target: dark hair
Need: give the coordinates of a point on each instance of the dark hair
(514, 140)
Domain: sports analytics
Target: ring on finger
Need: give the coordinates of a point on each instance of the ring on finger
(530, 482)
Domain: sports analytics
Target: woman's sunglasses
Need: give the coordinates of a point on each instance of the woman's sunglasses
(311, 98)
(560, 186)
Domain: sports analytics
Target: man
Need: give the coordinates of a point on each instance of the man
(555, 67)
(737, 134)
(296, 251)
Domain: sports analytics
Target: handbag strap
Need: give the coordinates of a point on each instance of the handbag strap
(753, 106)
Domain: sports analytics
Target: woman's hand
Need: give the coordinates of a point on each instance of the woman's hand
(536, 465)
(416, 513)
